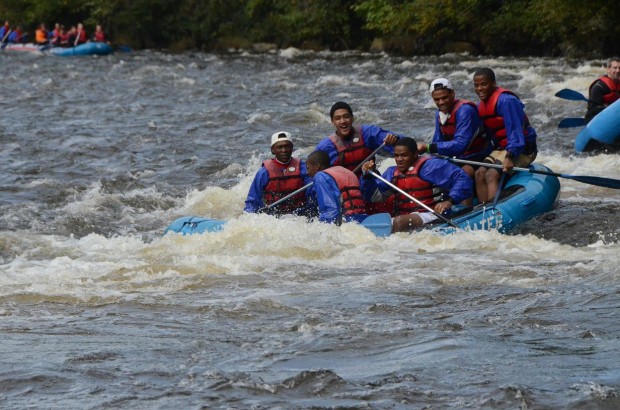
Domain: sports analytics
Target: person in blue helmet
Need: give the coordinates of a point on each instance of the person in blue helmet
(435, 182)
(277, 178)
(336, 191)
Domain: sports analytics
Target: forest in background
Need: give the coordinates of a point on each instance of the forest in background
(570, 28)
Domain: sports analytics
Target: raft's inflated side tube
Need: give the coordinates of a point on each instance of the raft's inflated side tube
(534, 195)
(93, 48)
(604, 128)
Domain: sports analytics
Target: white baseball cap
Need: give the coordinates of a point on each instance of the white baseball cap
(281, 136)
(440, 84)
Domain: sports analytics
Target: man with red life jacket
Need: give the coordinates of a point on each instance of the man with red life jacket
(605, 90)
(513, 138)
(435, 182)
(17, 36)
(336, 189)
(458, 130)
(277, 178)
(349, 146)
(99, 36)
(80, 36)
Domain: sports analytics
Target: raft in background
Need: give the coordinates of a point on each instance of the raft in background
(525, 196)
(603, 129)
(91, 48)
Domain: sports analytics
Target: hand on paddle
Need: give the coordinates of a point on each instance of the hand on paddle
(390, 139)
(368, 166)
(508, 165)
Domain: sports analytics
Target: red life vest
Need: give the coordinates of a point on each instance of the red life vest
(493, 122)
(477, 144)
(351, 197)
(283, 181)
(99, 36)
(351, 152)
(614, 90)
(415, 186)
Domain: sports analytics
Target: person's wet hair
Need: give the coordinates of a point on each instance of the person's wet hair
(319, 157)
(486, 72)
(340, 105)
(407, 142)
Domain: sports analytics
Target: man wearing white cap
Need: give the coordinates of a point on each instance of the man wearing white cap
(277, 178)
(459, 132)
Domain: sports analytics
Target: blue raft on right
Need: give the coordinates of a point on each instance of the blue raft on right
(603, 129)
(525, 196)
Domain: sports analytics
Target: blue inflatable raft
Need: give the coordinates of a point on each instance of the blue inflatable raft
(86, 49)
(525, 196)
(603, 129)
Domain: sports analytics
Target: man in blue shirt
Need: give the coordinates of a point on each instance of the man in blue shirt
(420, 177)
(459, 132)
(514, 139)
(349, 146)
(337, 191)
(277, 178)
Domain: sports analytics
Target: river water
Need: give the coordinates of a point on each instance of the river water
(99, 311)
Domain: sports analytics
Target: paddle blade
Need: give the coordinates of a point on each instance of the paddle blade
(379, 224)
(189, 225)
(572, 95)
(599, 181)
(572, 122)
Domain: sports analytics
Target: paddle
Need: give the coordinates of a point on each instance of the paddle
(379, 224)
(422, 204)
(598, 181)
(572, 122)
(572, 95)
(303, 188)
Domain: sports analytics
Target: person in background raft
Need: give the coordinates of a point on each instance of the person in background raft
(336, 191)
(5, 31)
(80, 35)
(458, 130)
(513, 138)
(41, 35)
(605, 90)
(99, 35)
(17, 36)
(55, 35)
(424, 177)
(349, 146)
(279, 177)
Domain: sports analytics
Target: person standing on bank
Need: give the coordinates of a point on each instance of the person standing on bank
(605, 90)
(513, 138)
(434, 182)
(349, 146)
(336, 189)
(277, 178)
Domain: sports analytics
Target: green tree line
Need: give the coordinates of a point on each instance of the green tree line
(572, 28)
